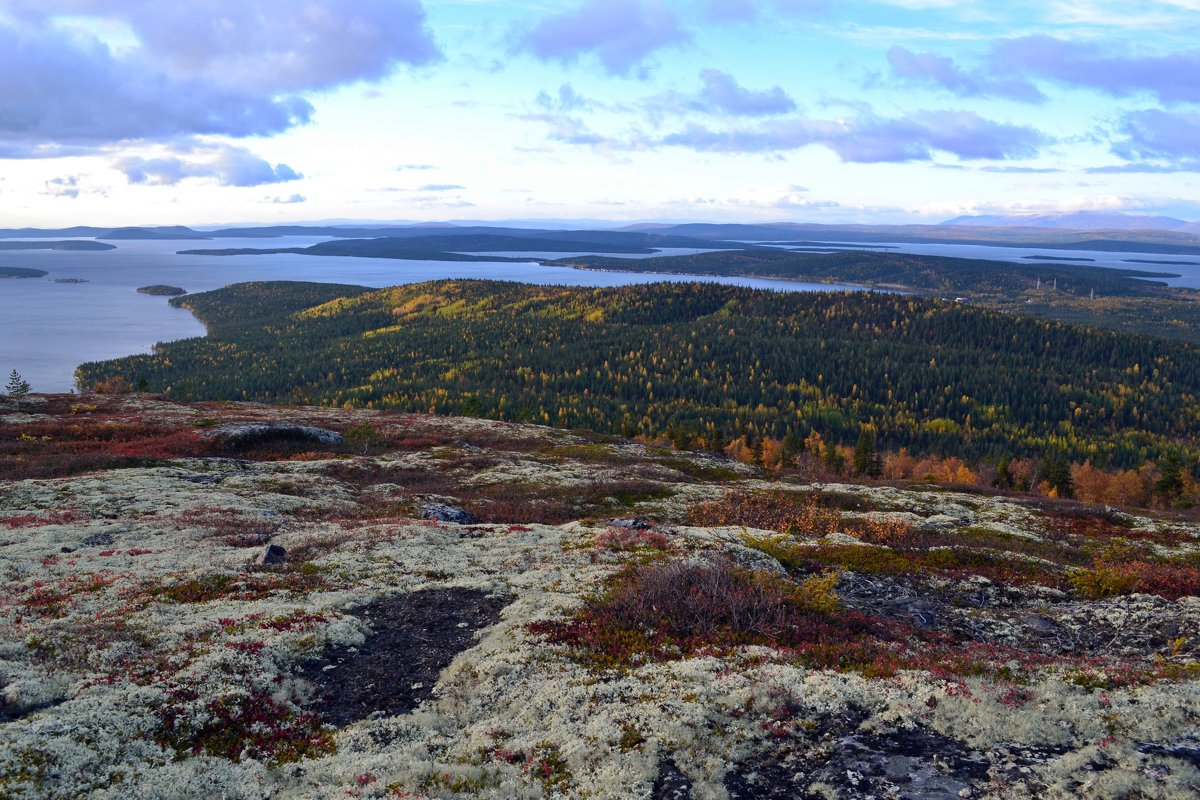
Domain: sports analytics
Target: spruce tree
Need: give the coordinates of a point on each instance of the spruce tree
(17, 386)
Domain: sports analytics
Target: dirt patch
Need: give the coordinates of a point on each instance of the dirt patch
(671, 783)
(416, 636)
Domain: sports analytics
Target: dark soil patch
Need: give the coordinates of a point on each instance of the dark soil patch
(416, 636)
(671, 783)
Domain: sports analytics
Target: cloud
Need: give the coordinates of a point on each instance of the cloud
(1172, 78)
(942, 71)
(264, 46)
(750, 10)
(1157, 134)
(63, 187)
(871, 139)
(722, 92)
(225, 164)
(1021, 170)
(403, 167)
(566, 99)
(440, 187)
(289, 200)
(233, 68)
(620, 33)
(1144, 168)
(83, 95)
(568, 130)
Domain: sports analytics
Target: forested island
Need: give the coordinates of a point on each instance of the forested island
(63, 245)
(162, 290)
(22, 272)
(421, 244)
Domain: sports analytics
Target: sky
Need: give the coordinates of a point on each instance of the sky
(209, 112)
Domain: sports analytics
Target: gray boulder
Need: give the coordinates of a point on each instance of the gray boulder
(236, 436)
(274, 554)
(444, 512)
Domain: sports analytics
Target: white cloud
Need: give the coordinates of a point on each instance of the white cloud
(224, 164)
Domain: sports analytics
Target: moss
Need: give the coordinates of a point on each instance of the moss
(701, 470)
(29, 769)
(631, 738)
(301, 579)
(460, 784)
(590, 453)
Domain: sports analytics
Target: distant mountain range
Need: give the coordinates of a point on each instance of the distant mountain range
(1079, 220)
(1092, 230)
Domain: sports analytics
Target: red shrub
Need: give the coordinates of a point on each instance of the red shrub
(623, 539)
(673, 609)
(772, 511)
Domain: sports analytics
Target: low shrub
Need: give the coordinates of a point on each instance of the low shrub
(671, 609)
(1112, 579)
(785, 512)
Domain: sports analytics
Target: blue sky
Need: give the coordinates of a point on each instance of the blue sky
(225, 111)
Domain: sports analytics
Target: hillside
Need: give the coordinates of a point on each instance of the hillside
(1130, 300)
(703, 364)
(266, 602)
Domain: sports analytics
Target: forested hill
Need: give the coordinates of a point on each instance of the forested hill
(702, 363)
(905, 270)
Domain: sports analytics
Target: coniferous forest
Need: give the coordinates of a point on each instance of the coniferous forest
(701, 364)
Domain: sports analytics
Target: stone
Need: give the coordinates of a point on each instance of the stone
(274, 554)
(444, 512)
(629, 524)
(1039, 625)
(241, 435)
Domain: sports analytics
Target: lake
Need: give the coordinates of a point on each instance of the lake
(48, 328)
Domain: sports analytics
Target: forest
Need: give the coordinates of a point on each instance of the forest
(936, 274)
(702, 365)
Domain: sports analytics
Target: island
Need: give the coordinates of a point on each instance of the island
(22, 272)
(1153, 261)
(63, 245)
(162, 290)
(168, 232)
(69, 280)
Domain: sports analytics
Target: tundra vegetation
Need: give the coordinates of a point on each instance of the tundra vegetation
(269, 616)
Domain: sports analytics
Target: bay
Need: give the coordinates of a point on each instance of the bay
(49, 328)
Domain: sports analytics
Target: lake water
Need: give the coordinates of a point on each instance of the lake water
(48, 328)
